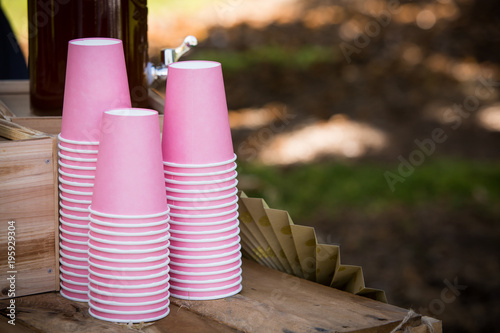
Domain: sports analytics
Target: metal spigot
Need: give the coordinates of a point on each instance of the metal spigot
(169, 56)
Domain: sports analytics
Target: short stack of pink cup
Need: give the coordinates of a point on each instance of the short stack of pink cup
(200, 176)
(96, 80)
(129, 222)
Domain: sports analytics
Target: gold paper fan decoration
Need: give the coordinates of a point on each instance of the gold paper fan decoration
(270, 237)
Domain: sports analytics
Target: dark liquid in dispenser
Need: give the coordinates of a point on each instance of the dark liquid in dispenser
(53, 23)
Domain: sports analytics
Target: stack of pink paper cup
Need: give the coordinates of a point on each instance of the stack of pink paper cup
(129, 222)
(96, 80)
(200, 176)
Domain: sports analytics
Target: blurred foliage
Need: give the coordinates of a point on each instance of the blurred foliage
(327, 188)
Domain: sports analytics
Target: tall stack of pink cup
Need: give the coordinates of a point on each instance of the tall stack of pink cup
(200, 176)
(96, 80)
(129, 229)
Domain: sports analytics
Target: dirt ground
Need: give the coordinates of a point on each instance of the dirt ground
(430, 65)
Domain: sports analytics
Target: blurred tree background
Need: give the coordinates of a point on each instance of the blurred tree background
(375, 121)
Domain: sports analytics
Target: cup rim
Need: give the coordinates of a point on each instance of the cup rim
(213, 256)
(202, 182)
(218, 189)
(65, 190)
(219, 239)
(227, 204)
(222, 263)
(72, 233)
(71, 241)
(108, 293)
(61, 269)
(75, 142)
(207, 298)
(70, 257)
(73, 282)
(72, 175)
(130, 277)
(70, 249)
(130, 286)
(206, 199)
(206, 232)
(76, 291)
(75, 209)
(106, 241)
(73, 217)
(72, 225)
(163, 307)
(234, 284)
(173, 222)
(117, 216)
(205, 216)
(234, 276)
(135, 225)
(63, 294)
(196, 166)
(75, 184)
(76, 159)
(77, 151)
(125, 234)
(200, 174)
(95, 299)
(82, 202)
(134, 251)
(129, 260)
(129, 269)
(206, 273)
(116, 320)
(63, 263)
(76, 167)
(201, 249)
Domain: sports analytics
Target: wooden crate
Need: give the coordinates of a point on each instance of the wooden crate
(29, 210)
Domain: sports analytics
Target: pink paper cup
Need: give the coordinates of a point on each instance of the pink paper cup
(204, 222)
(118, 301)
(76, 272)
(73, 236)
(213, 216)
(103, 275)
(77, 161)
(120, 317)
(207, 286)
(130, 271)
(120, 280)
(79, 245)
(112, 238)
(128, 307)
(125, 255)
(201, 185)
(88, 145)
(129, 176)
(202, 191)
(76, 176)
(74, 295)
(123, 288)
(204, 209)
(72, 253)
(70, 210)
(206, 295)
(130, 231)
(96, 80)
(77, 229)
(210, 278)
(196, 100)
(82, 203)
(201, 200)
(174, 254)
(194, 229)
(203, 244)
(194, 262)
(143, 260)
(77, 152)
(206, 236)
(72, 194)
(70, 285)
(131, 223)
(129, 246)
(73, 169)
(222, 167)
(206, 271)
(200, 179)
(75, 186)
(129, 298)
(125, 218)
(80, 265)
(197, 172)
(74, 279)
(72, 218)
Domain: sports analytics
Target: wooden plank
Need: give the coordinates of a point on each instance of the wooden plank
(49, 125)
(272, 301)
(28, 196)
(52, 313)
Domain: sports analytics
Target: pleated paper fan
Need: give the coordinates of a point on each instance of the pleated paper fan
(270, 237)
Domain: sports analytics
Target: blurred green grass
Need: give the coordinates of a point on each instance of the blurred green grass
(313, 190)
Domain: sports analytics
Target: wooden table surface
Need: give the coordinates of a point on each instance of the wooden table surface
(270, 301)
